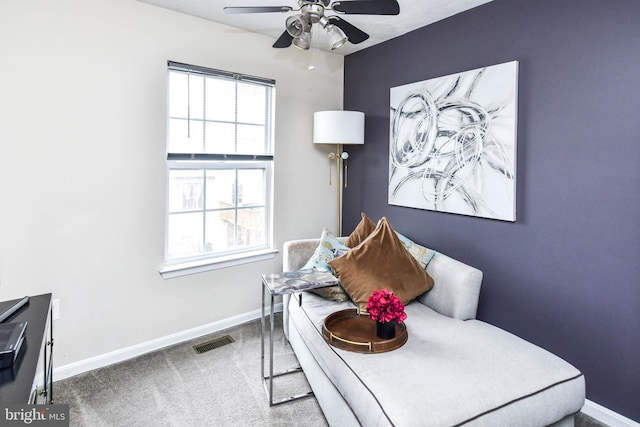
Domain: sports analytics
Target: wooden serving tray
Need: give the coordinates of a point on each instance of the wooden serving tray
(348, 330)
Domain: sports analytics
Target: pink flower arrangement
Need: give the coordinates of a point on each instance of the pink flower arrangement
(383, 306)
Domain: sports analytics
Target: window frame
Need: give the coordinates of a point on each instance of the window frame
(179, 266)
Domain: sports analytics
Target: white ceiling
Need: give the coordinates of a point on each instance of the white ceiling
(413, 14)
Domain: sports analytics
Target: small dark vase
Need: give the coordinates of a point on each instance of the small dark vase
(387, 330)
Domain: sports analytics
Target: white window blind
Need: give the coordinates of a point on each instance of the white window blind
(219, 163)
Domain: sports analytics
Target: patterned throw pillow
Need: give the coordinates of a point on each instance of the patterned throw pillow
(420, 253)
(328, 249)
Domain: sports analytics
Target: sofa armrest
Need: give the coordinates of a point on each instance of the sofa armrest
(456, 288)
(296, 253)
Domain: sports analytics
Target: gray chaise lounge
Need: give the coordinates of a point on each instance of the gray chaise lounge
(454, 370)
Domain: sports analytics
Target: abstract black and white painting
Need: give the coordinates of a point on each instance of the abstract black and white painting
(452, 144)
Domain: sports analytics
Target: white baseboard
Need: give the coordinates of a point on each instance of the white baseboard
(607, 416)
(123, 354)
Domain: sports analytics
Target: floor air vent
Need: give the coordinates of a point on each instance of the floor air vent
(213, 344)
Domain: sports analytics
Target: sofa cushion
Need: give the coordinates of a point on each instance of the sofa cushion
(364, 228)
(381, 261)
(449, 373)
(328, 248)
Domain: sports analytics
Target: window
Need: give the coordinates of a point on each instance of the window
(219, 160)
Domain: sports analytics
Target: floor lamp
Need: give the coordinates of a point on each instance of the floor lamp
(339, 128)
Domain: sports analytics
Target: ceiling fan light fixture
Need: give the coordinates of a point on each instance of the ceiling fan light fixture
(297, 25)
(337, 37)
(303, 41)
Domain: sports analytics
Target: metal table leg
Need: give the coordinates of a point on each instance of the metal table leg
(268, 388)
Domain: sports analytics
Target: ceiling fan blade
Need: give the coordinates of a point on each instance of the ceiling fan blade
(257, 9)
(367, 7)
(354, 34)
(284, 40)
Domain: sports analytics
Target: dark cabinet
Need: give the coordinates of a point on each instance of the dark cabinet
(30, 378)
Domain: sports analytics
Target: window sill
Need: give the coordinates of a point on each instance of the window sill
(169, 271)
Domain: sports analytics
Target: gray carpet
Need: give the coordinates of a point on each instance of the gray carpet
(178, 387)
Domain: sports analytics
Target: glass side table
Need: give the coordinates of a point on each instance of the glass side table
(280, 284)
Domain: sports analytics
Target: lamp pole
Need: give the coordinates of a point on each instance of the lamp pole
(338, 127)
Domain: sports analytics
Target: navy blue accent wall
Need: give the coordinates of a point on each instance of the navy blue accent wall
(566, 274)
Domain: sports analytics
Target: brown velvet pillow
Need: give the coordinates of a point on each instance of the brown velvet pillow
(381, 261)
(364, 228)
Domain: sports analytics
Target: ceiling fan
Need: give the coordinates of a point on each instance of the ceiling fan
(298, 27)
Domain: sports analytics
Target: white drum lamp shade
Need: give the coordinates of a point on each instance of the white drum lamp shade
(338, 127)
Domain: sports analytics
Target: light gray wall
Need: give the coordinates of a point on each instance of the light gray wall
(82, 165)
